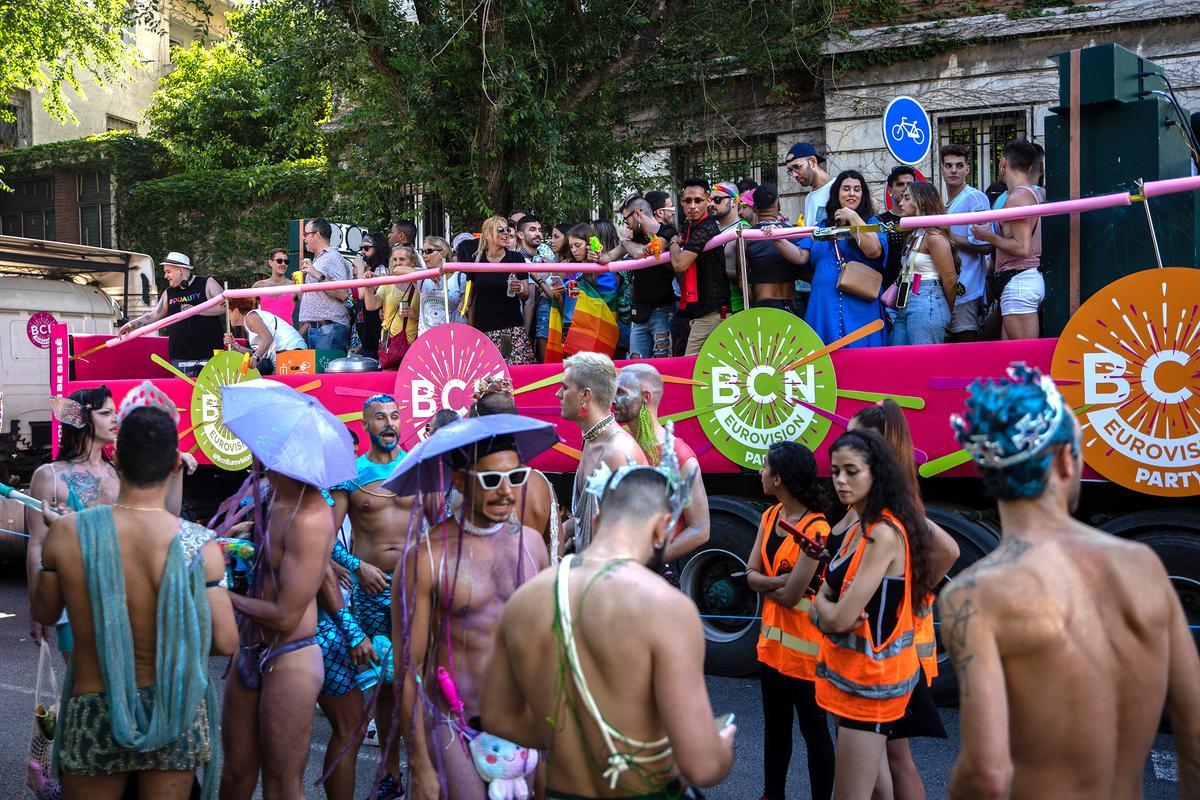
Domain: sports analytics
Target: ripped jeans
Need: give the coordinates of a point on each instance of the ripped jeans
(652, 338)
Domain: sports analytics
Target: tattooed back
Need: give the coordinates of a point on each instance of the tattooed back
(1062, 640)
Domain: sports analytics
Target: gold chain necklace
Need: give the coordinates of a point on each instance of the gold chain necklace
(138, 508)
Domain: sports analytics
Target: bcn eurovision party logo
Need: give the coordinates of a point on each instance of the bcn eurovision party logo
(439, 371)
(1128, 362)
(215, 440)
(761, 378)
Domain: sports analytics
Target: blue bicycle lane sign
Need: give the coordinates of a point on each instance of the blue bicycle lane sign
(906, 130)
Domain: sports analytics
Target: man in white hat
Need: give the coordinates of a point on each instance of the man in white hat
(194, 338)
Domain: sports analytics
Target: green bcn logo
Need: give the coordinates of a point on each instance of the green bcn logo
(216, 441)
(757, 384)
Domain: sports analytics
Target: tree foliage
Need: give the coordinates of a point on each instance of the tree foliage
(222, 108)
(532, 103)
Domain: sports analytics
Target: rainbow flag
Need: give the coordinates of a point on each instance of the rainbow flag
(594, 324)
(554, 342)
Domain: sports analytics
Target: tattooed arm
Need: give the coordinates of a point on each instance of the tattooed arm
(984, 768)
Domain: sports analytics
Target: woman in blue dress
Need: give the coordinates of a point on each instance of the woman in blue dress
(831, 313)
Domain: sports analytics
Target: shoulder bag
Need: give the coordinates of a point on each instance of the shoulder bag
(856, 278)
(395, 345)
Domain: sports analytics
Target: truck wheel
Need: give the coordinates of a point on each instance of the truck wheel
(714, 577)
(974, 542)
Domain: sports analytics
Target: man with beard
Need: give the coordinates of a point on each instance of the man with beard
(600, 663)
(193, 338)
(380, 523)
(639, 392)
(1059, 617)
(589, 383)
(457, 580)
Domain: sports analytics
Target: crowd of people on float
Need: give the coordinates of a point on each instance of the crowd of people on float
(926, 285)
(489, 638)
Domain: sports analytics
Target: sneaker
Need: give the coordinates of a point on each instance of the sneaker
(372, 737)
(390, 788)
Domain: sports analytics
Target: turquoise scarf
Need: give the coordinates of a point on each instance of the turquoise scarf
(184, 624)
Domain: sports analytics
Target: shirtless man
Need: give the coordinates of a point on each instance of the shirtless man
(589, 384)
(121, 555)
(457, 581)
(537, 503)
(277, 674)
(80, 477)
(639, 393)
(380, 523)
(1067, 641)
(635, 650)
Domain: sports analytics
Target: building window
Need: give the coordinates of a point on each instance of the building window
(984, 136)
(112, 123)
(95, 209)
(28, 210)
(14, 125)
(752, 158)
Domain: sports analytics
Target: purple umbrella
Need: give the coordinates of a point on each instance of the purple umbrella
(289, 432)
(424, 469)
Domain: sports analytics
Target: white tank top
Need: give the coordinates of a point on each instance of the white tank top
(922, 263)
(285, 336)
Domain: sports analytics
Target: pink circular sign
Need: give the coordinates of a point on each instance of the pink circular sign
(38, 329)
(439, 371)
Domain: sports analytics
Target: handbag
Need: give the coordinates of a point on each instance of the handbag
(38, 775)
(856, 278)
(394, 345)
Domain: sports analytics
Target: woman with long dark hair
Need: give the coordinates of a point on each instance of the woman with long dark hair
(901, 780)
(929, 266)
(80, 476)
(867, 664)
(833, 312)
(784, 574)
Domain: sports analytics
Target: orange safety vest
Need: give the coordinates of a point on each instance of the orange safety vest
(788, 642)
(858, 678)
(926, 638)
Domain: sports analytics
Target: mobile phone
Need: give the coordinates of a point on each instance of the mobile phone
(902, 294)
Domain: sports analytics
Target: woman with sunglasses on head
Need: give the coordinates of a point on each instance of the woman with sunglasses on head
(372, 261)
(400, 302)
(868, 665)
(785, 575)
(495, 298)
(901, 780)
(445, 292)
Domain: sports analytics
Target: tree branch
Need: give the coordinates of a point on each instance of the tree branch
(643, 45)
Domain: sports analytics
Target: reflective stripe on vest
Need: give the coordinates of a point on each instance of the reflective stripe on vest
(862, 646)
(789, 641)
(926, 638)
(926, 650)
(888, 691)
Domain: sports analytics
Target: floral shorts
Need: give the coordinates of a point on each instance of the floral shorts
(514, 345)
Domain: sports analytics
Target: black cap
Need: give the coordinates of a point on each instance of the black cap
(803, 150)
(765, 196)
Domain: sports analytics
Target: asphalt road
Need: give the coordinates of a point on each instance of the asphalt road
(18, 665)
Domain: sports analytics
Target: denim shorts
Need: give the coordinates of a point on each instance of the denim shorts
(1023, 294)
(925, 317)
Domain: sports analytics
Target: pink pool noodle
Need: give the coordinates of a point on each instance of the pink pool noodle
(1171, 186)
(1023, 212)
(162, 323)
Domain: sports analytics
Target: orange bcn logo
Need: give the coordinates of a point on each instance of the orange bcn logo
(1128, 362)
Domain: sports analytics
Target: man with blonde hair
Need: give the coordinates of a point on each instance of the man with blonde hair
(589, 383)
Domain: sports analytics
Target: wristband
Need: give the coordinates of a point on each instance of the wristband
(344, 558)
(349, 626)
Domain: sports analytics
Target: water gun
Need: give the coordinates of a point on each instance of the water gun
(367, 678)
(10, 493)
(655, 247)
(450, 692)
(298, 277)
(237, 548)
(595, 245)
(245, 363)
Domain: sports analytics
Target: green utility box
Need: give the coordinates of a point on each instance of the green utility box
(1126, 134)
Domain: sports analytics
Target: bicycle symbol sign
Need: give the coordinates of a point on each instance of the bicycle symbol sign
(906, 130)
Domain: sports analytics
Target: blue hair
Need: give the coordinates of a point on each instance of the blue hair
(1007, 421)
(382, 397)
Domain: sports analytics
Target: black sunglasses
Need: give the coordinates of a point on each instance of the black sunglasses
(279, 260)
(431, 250)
